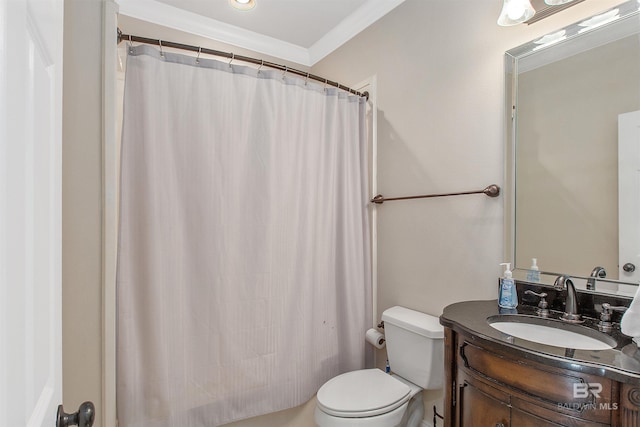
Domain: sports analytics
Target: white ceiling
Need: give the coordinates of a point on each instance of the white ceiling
(301, 22)
(302, 31)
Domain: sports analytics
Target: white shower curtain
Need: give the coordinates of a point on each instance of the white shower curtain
(244, 264)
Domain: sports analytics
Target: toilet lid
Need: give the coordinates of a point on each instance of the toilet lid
(363, 393)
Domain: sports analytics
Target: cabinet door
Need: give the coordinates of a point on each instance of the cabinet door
(529, 414)
(480, 405)
(524, 419)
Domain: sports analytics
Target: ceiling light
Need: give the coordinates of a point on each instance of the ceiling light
(515, 12)
(557, 2)
(243, 4)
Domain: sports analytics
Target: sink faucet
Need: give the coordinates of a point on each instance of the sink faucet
(571, 307)
(597, 272)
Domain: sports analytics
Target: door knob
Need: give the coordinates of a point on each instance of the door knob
(83, 418)
(629, 268)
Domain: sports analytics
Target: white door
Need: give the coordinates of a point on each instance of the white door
(30, 211)
(629, 195)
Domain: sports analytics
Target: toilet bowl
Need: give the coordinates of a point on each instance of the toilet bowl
(367, 397)
(372, 398)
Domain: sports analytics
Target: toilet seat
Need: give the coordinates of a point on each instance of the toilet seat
(363, 393)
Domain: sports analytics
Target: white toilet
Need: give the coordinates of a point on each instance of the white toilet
(372, 398)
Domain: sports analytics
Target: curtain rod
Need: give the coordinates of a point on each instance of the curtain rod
(162, 43)
(491, 191)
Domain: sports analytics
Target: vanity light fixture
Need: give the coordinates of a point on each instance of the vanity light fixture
(515, 12)
(243, 4)
(557, 2)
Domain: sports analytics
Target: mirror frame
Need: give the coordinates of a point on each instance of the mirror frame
(629, 12)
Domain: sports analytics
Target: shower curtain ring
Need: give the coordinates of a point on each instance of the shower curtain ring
(161, 52)
(233, 56)
(306, 79)
(261, 64)
(198, 57)
(130, 44)
(285, 72)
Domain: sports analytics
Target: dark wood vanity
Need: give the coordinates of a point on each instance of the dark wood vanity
(492, 379)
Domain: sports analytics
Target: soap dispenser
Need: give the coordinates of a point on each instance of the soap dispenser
(533, 275)
(508, 295)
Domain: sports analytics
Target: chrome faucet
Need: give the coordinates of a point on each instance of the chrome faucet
(571, 307)
(597, 272)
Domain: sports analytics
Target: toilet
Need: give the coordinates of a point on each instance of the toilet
(372, 398)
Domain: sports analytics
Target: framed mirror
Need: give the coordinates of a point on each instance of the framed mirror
(572, 184)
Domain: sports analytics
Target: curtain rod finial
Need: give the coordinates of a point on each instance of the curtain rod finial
(492, 191)
(379, 199)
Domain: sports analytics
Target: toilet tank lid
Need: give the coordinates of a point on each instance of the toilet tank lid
(415, 321)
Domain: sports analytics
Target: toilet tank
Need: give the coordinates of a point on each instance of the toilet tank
(415, 346)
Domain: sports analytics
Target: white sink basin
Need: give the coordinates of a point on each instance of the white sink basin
(552, 332)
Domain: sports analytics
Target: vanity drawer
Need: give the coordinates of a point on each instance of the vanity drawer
(555, 389)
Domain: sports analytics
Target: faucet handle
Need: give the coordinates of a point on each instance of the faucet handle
(541, 295)
(608, 308)
(543, 305)
(605, 324)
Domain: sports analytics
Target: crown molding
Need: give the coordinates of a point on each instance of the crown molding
(189, 22)
(168, 16)
(352, 25)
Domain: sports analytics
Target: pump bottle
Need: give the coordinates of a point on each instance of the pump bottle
(508, 295)
(533, 275)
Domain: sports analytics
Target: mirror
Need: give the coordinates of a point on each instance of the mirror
(572, 102)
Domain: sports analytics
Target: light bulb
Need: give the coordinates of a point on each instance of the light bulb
(515, 11)
(243, 4)
(556, 2)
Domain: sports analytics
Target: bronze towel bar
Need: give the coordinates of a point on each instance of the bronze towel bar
(492, 191)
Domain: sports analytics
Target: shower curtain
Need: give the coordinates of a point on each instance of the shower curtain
(243, 262)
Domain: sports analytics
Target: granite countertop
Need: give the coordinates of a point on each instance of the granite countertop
(621, 363)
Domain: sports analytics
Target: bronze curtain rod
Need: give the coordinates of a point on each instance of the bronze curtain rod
(129, 38)
(491, 191)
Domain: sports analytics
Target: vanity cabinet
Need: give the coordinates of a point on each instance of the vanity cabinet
(488, 385)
